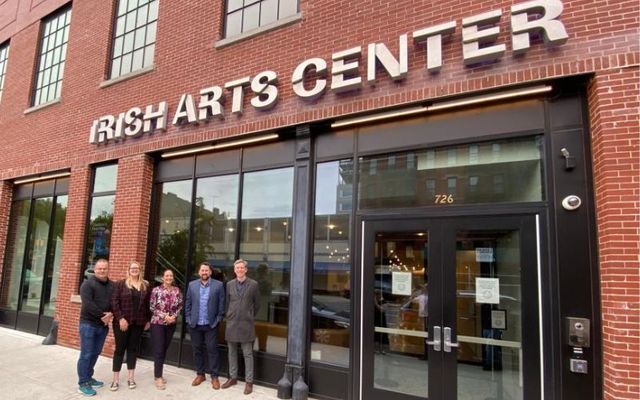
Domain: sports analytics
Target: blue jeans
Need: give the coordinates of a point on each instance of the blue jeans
(91, 341)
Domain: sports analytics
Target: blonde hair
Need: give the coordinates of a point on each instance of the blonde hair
(142, 284)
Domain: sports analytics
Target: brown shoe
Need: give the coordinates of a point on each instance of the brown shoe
(230, 382)
(198, 380)
(215, 383)
(248, 388)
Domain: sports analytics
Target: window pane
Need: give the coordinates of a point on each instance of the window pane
(128, 42)
(130, 23)
(153, 10)
(251, 17)
(148, 55)
(330, 310)
(139, 40)
(234, 24)
(507, 171)
(120, 26)
(267, 200)
(268, 12)
(55, 256)
(36, 255)
(216, 222)
(171, 235)
(126, 64)
(16, 243)
(4, 52)
(99, 232)
(151, 32)
(117, 47)
(137, 60)
(106, 178)
(115, 67)
(233, 5)
(142, 16)
(287, 8)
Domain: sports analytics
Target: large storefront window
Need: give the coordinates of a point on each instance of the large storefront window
(34, 249)
(267, 205)
(15, 250)
(101, 217)
(331, 305)
(196, 220)
(491, 172)
(216, 222)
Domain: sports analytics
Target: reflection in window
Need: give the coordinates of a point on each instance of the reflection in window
(134, 36)
(36, 255)
(330, 310)
(216, 222)
(103, 196)
(170, 235)
(267, 205)
(244, 15)
(55, 255)
(16, 244)
(36, 227)
(53, 52)
(517, 162)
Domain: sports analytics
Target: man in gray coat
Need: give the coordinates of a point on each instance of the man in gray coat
(243, 303)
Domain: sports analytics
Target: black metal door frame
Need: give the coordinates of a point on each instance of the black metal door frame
(442, 296)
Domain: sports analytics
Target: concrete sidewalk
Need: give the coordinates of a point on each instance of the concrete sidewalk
(30, 370)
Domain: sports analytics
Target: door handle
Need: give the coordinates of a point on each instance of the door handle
(436, 342)
(447, 340)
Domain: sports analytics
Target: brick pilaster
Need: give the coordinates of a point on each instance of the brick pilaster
(67, 311)
(615, 133)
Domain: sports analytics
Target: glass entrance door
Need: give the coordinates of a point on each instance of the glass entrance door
(450, 309)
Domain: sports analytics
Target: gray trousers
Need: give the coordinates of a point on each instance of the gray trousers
(247, 352)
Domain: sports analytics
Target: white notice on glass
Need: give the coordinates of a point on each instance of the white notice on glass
(401, 283)
(488, 290)
(484, 254)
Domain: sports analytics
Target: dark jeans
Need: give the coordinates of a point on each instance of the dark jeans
(205, 339)
(161, 336)
(91, 341)
(128, 341)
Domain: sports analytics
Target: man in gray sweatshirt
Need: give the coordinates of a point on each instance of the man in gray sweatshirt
(95, 316)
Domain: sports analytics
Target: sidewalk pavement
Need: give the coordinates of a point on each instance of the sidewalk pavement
(30, 370)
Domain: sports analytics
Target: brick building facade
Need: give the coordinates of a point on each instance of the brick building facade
(593, 74)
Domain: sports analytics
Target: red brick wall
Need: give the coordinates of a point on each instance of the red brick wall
(67, 312)
(615, 129)
(131, 214)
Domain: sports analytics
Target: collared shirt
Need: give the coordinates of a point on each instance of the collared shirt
(205, 292)
(240, 287)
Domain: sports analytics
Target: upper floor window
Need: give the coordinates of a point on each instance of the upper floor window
(53, 52)
(244, 15)
(4, 53)
(134, 36)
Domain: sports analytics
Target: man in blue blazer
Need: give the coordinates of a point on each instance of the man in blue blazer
(203, 311)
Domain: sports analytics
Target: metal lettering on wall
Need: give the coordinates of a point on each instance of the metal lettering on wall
(310, 79)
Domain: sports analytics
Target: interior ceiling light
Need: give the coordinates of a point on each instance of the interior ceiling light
(505, 94)
(41, 178)
(379, 116)
(223, 145)
(489, 97)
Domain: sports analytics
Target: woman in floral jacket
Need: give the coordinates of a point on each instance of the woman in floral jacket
(165, 304)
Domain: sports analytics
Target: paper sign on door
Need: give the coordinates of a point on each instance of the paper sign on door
(488, 290)
(401, 283)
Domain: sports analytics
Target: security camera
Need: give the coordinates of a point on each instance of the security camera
(571, 202)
